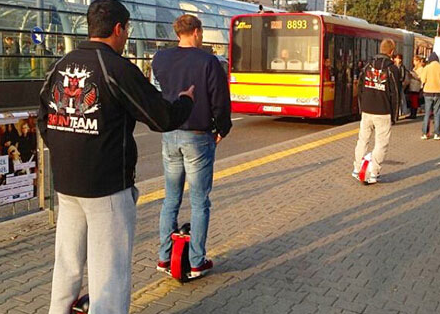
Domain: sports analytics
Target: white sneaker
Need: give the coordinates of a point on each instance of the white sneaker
(424, 137)
(373, 179)
(201, 270)
(355, 175)
(437, 137)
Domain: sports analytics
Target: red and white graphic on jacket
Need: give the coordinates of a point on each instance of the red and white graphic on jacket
(74, 96)
(376, 78)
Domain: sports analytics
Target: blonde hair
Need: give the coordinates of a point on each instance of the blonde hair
(387, 46)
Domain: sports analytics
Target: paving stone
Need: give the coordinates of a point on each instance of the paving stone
(34, 305)
(355, 307)
(371, 309)
(304, 308)
(252, 309)
(298, 235)
(321, 300)
(153, 308)
(10, 304)
(14, 311)
(205, 307)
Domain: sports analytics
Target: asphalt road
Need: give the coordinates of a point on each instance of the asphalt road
(248, 133)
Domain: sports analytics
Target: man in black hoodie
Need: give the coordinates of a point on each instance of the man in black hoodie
(89, 105)
(379, 87)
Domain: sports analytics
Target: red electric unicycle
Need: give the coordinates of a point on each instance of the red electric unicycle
(81, 306)
(180, 267)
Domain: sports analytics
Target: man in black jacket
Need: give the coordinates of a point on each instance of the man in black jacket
(89, 105)
(189, 151)
(379, 88)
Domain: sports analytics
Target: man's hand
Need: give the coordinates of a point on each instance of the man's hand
(189, 92)
(217, 138)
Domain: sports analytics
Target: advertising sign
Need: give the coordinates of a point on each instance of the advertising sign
(18, 157)
(431, 10)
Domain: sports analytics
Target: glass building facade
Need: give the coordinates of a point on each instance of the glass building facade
(64, 25)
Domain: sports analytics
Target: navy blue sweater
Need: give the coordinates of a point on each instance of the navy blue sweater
(178, 68)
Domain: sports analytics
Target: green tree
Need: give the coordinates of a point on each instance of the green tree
(297, 7)
(428, 28)
(405, 14)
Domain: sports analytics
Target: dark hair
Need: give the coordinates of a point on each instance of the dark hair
(103, 15)
(433, 57)
(398, 56)
(186, 24)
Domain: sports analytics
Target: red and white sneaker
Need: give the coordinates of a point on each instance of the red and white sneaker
(163, 267)
(201, 270)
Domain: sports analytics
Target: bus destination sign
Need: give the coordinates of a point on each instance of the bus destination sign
(290, 24)
(294, 24)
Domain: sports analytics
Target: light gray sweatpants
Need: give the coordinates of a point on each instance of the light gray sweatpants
(101, 231)
(381, 126)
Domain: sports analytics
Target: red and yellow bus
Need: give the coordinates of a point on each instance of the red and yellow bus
(306, 64)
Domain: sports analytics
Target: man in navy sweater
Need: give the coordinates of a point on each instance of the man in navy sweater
(189, 151)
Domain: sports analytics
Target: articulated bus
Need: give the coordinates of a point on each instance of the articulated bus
(306, 64)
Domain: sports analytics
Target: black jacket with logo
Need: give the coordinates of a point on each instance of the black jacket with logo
(379, 87)
(89, 105)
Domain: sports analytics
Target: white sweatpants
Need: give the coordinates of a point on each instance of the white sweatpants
(381, 126)
(101, 231)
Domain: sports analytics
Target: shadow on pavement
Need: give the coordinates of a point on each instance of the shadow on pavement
(370, 255)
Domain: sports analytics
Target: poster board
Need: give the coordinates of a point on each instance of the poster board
(18, 157)
(437, 45)
(431, 10)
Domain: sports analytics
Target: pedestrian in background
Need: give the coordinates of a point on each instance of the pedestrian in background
(404, 78)
(431, 92)
(189, 151)
(415, 86)
(89, 105)
(379, 98)
(12, 62)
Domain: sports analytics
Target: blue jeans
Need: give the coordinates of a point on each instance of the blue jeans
(190, 154)
(432, 102)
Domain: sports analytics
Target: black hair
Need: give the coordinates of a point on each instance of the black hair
(433, 57)
(103, 15)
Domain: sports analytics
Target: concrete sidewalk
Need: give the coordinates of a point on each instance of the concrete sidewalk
(291, 232)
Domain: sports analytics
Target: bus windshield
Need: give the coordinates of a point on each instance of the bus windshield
(287, 43)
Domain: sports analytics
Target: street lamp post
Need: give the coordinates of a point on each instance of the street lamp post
(40, 16)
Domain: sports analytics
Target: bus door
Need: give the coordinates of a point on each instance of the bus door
(343, 75)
